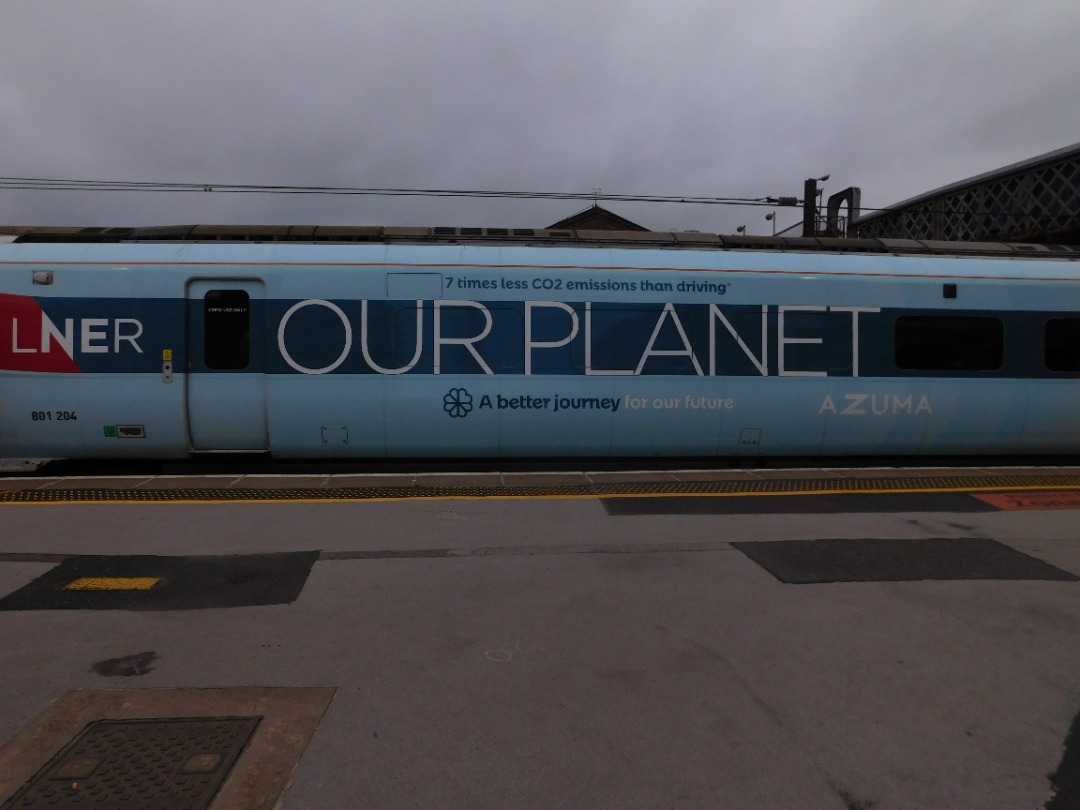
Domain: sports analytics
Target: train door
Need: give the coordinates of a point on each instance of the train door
(226, 386)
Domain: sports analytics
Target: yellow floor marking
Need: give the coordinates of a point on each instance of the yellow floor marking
(112, 584)
(604, 496)
(507, 494)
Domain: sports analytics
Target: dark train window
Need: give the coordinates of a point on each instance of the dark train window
(227, 329)
(949, 343)
(1063, 344)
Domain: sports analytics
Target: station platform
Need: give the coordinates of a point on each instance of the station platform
(814, 639)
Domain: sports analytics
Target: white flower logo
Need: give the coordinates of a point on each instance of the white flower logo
(457, 403)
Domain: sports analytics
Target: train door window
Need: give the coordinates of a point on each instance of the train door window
(227, 329)
(1063, 344)
(949, 343)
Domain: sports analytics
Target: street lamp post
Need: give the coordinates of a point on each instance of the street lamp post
(811, 198)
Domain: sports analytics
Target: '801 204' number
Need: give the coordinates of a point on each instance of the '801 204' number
(49, 416)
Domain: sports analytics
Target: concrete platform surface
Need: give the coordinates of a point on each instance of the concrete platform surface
(553, 653)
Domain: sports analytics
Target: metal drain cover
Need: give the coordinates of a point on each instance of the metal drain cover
(153, 764)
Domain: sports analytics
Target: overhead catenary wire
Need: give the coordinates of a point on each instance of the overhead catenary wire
(594, 195)
(52, 184)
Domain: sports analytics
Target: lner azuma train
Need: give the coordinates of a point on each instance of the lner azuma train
(339, 342)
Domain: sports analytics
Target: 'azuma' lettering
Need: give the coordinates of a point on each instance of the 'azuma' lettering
(875, 405)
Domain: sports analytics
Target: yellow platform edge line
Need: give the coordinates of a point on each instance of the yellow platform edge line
(555, 496)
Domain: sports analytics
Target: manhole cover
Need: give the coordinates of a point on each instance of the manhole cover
(156, 764)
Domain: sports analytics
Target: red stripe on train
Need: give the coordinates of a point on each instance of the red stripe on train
(24, 344)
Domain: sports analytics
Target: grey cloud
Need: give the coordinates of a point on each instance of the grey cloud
(682, 98)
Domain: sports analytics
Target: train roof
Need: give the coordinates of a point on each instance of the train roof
(375, 234)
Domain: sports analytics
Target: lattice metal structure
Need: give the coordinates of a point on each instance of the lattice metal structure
(1037, 200)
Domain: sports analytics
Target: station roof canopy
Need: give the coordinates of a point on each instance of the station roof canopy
(1035, 200)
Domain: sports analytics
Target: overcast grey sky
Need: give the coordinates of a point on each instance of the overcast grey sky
(672, 97)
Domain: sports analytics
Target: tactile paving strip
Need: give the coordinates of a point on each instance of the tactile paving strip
(154, 764)
(951, 483)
